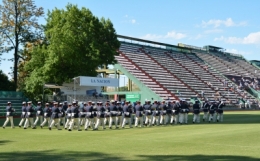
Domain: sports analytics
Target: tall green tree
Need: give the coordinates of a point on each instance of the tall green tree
(18, 25)
(77, 43)
(6, 84)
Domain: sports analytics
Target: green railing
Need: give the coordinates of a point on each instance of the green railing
(193, 99)
(255, 93)
(11, 94)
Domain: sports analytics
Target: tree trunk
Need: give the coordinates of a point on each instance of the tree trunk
(15, 65)
(16, 46)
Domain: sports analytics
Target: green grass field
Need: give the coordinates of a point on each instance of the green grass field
(237, 138)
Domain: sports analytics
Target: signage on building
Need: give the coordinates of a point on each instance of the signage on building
(133, 97)
(95, 81)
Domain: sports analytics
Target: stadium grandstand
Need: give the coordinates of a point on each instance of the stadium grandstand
(174, 72)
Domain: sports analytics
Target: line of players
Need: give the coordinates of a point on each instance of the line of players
(92, 115)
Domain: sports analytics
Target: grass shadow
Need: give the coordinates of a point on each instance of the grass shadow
(2, 142)
(196, 158)
(50, 155)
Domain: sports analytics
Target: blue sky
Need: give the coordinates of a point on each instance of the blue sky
(231, 24)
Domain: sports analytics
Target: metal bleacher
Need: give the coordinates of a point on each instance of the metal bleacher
(181, 75)
(9, 96)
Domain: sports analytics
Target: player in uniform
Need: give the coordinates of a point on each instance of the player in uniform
(169, 112)
(138, 114)
(61, 115)
(100, 110)
(74, 117)
(196, 112)
(46, 115)
(186, 111)
(82, 114)
(64, 108)
(155, 113)
(89, 115)
(148, 113)
(119, 119)
(220, 111)
(94, 113)
(9, 115)
(68, 116)
(176, 111)
(163, 110)
(212, 110)
(23, 114)
(113, 113)
(55, 116)
(205, 108)
(29, 115)
(107, 113)
(127, 109)
(39, 114)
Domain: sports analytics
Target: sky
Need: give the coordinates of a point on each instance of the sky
(231, 24)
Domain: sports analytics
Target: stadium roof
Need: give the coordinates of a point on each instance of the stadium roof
(211, 46)
(255, 60)
(151, 42)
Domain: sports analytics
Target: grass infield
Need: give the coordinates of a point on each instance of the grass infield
(237, 138)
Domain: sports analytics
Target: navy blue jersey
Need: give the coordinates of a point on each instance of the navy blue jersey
(119, 110)
(100, 111)
(55, 112)
(46, 112)
(39, 111)
(163, 109)
(205, 107)
(113, 110)
(29, 111)
(88, 111)
(127, 109)
(176, 108)
(147, 109)
(62, 112)
(9, 111)
(155, 110)
(139, 110)
(196, 108)
(74, 112)
(68, 113)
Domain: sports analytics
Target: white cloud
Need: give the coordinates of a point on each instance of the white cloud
(213, 31)
(129, 19)
(199, 36)
(169, 35)
(133, 21)
(175, 35)
(252, 38)
(235, 51)
(217, 23)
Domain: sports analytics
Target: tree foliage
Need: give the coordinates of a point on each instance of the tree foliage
(18, 26)
(77, 43)
(6, 85)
